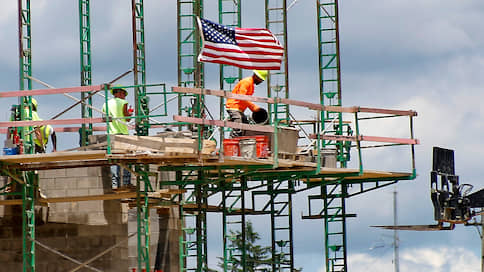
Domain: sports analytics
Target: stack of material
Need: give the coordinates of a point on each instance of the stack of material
(287, 139)
(166, 144)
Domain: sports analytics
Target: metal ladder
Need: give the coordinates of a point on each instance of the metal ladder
(278, 193)
(332, 196)
(233, 201)
(29, 189)
(143, 186)
(190, 71)
(330, 74)
(29, 177)
(229, 15)
(86, 68)
(193, 239)
(281, 225)
(139, 65)
(278, 81)
(25, 74)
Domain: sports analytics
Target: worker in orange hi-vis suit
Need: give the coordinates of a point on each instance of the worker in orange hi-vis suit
(235, 108)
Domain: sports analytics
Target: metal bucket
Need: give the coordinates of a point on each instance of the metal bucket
(248, 148)
(260, 117)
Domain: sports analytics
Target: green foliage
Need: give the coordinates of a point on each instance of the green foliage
(256, 256)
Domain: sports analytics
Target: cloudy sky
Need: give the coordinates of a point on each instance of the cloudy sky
(423, 55)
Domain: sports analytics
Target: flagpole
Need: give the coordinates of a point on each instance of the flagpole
(395, 234)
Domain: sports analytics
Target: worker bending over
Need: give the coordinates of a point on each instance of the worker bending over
(118, 110)
(236, 108)
(42, 133)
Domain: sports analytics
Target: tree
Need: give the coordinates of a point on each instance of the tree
(256, 256)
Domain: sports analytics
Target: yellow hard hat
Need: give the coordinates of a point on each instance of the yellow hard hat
(34, 102)
(262, 74)
(118, 87)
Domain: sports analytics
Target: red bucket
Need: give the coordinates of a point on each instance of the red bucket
(231, 147)
(262, 144)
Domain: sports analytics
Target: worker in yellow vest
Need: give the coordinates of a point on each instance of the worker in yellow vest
(41, 133)
(117, 108)
(41, 139)
(235, 108)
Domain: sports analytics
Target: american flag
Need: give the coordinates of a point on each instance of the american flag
(248, 48)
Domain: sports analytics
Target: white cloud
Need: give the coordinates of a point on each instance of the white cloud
(418, 260)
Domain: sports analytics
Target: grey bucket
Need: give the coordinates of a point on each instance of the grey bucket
(248, 148)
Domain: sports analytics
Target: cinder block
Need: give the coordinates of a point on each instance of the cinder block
(83, 182)
(66, 183)
(90, 206)
(77, 218)
(47, 184)
(96, 191)
(78, 172)
(58, 217)
(59, 173)
(78, 192)
(94, 182)
(59, 207)
(94, 171)
(46, 174)
(96, 219)
(55, 193)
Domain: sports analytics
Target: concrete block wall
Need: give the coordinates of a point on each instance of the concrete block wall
(82, 230)
(85, 181)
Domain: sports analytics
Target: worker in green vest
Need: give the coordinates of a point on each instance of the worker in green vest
(41, 139)
(117, 109)
(41, 133)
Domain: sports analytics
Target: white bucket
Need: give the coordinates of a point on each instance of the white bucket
(248, 148)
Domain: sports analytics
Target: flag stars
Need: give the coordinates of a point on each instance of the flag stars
(217, 33)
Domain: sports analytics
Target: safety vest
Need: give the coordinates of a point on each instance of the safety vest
(246, 87)
(35, 117)
(45, 132)
(116, 110)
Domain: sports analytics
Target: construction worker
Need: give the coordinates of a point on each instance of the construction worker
(41, 139)
(118, 108)
(235, 108)
(41, 133)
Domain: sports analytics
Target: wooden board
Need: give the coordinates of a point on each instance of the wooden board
(313, 106)
(54, 157)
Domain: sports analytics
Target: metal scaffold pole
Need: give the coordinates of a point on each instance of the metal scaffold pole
(233, 220)
(25, 71)
(335, 226)
(143, 184)
(190, 71)
(229, 15)
(330, 75)
(139, 68)
(86, 67)
(281, 224)
(28, 186)
(278, 80)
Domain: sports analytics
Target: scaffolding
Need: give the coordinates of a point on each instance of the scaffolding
(232, 186)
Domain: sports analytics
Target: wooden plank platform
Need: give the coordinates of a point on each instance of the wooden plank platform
(75, 159)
